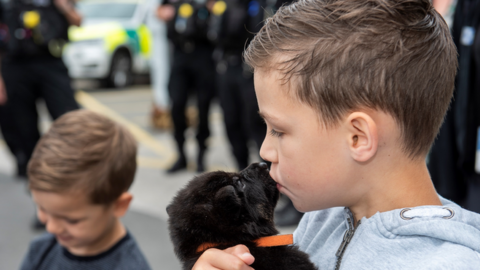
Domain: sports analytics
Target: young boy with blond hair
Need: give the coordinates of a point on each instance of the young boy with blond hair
(353, 93)
(79, 174)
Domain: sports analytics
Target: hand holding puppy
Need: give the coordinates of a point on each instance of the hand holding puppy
(234, 258)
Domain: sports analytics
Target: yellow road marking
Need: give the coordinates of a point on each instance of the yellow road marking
(143, 137)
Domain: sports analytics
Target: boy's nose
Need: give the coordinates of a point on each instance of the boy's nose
(267, 151)
(53, 226)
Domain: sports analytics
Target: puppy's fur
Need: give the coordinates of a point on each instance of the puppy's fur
(230, 209)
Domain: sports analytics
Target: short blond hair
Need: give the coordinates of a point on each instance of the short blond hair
(84, 151)
(396, 56)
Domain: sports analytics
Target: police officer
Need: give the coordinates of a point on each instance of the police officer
(454, 160)
(32, 68)
(231, 27)
(193, 69)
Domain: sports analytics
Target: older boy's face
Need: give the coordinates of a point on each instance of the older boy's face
(308, 161)
(77, 224)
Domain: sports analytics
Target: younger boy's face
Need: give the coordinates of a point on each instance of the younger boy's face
(308, 160)
(77, 224)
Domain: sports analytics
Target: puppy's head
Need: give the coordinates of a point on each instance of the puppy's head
(222, 207)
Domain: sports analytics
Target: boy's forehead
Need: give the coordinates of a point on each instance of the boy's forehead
(273, 81)
(66, 200)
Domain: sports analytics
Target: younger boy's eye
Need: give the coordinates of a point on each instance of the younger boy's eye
(275, 133)
(72, 221)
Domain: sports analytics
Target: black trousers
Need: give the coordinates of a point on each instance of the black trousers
(191, 71)
(240, 111)
(26, 82)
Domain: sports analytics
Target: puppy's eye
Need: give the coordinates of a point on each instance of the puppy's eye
(238, 182)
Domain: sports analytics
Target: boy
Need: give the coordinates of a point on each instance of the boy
(80, 173)
(353, 94)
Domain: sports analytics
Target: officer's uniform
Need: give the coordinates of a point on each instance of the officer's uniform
(232, 25)
(193, 69)
(32, 68)
(454, 160)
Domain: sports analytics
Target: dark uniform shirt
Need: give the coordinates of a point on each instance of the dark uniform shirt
(3, 30)
(40, 41)
(46, 254)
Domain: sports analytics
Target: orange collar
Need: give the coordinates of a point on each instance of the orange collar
(267, 241)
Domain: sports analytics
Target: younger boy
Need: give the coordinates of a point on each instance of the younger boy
(80, 173)
(353, 93)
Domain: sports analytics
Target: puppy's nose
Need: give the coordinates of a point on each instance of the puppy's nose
(263, 165)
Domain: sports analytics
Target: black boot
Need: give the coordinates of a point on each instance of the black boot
(180, 164)
(200, 160)
(22, 162)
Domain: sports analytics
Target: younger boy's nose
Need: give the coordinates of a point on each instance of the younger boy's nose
(53, 226)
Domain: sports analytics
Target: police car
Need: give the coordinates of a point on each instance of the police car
(112, 44)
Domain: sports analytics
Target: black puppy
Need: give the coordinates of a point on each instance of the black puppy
(222, 209)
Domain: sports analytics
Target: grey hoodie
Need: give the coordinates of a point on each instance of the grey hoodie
(426, 237)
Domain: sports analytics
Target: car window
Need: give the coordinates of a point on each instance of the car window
(107, 10)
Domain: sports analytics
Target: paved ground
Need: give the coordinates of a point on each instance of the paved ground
(152, 189)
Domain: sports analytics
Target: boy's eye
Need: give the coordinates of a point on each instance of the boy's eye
(72, 221)
(275, 133)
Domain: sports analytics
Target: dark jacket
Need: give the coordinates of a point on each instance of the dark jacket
(452, 158)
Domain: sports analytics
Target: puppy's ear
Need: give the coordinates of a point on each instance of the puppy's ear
(228, 201)
(169, 209)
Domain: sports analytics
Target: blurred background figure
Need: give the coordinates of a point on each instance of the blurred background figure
(231, 27)
(4, 36)
(32, 68)
(446, 8)
(233, 24)
(193, 69)
(159, 68)
(455, 157)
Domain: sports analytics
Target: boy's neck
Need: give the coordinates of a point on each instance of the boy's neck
(405, 184)
(104, 243)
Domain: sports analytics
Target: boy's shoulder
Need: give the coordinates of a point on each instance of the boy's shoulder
(39, 247)
(46, 253)
(130, 256)
(445, 237)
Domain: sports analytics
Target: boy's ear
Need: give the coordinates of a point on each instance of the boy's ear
(122, 203)
(362, 136)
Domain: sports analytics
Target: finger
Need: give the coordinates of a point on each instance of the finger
(242, 252)
(247, 258)
(220, 259)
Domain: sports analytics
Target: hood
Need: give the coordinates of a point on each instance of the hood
(448, 222)
(96, 30)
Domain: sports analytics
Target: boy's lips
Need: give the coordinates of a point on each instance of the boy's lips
(279, 186)
(63, 238)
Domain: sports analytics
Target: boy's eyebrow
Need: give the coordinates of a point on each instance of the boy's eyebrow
(266, 116)
(63, 217)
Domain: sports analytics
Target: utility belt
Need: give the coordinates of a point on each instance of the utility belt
(228, 59)
(191, 45)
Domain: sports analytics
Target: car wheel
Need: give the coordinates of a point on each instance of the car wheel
(121, 70)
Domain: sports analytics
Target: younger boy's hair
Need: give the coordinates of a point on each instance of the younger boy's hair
(84, 151)
(396, 56)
